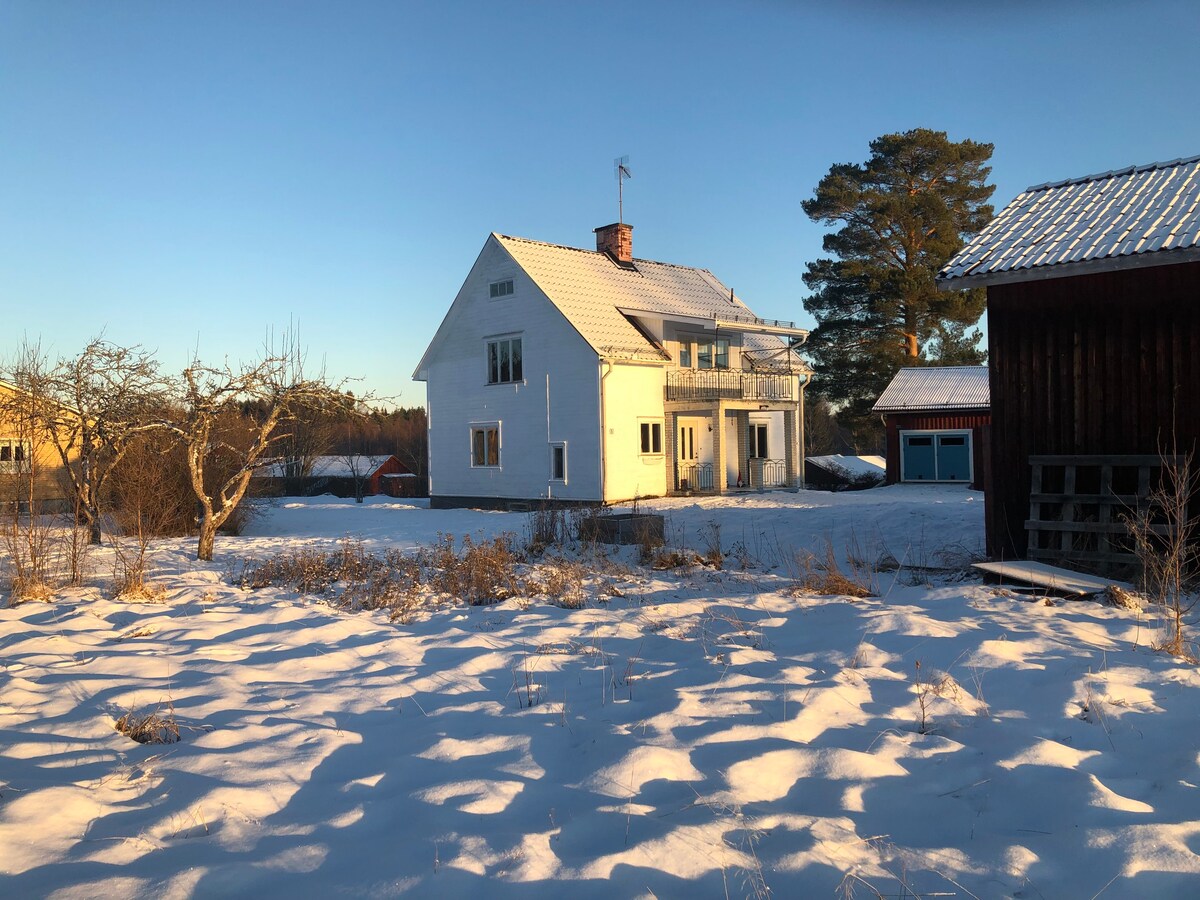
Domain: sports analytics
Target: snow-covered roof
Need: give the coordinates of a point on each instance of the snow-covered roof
(360, 465)
(851, 466)
(598, 296)
(1139, 216)
(936, 387)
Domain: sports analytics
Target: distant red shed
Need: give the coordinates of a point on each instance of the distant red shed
(937, 420)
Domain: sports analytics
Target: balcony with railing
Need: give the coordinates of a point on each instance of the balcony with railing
(726, 384)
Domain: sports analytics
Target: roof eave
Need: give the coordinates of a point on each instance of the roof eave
(972, 407)
(1071, 269)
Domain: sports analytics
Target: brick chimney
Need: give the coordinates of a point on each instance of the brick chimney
(616, 240)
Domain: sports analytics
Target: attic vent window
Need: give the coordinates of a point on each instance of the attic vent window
(500, 288)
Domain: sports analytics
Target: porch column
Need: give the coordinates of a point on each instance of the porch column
(670, 453)
(741, 420)
(720, 482)
(791, 446)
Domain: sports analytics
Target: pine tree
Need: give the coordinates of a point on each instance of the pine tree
(903, 214)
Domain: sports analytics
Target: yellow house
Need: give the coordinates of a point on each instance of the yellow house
(31, 469)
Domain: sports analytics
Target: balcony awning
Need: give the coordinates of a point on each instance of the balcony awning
(743, 324)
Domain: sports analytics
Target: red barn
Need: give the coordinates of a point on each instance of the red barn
(936, 420)
(1093, 295)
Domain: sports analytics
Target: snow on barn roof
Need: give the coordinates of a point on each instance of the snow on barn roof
(936, 387)
(1140, 216)
(592, 291)
(358, 465)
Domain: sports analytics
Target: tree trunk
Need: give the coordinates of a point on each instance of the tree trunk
(208, 535)
(911, 347)
(94, 531)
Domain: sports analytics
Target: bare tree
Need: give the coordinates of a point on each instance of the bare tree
(25, 533)
(212, 426)
(91, 406)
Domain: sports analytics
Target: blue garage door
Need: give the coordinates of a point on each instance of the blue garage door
(917, 458)
(935, 457)
(953, 457)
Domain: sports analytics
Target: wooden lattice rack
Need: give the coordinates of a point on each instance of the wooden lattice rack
(1079, 507)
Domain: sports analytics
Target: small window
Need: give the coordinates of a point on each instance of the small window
(651, 434)
(920, 442)
(485, 446)
(685, 354)
(958, 441)
(558, 462)
(500, 288)
(504, 360)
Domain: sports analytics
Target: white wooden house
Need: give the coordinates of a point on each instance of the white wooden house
(591, 376)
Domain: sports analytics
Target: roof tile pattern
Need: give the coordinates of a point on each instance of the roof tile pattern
(934, 388)
(590, 289)
(1119, 216)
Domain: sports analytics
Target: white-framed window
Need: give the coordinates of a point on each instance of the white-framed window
(650, 437)
(14, 455)
(499, 289)
(685, 354)
(558, 461)
(757, 441)
(485, 445)
(713, 354)
(504, 361)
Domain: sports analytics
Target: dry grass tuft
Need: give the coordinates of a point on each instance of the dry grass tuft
(824, 576)
(157, 727)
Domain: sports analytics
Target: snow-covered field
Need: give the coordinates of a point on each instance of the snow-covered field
(696, 733)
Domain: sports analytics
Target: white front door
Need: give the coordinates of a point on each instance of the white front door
(694, 455)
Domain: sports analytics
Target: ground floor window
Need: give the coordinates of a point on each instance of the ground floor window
(14, 455)
(651, 437)
(485, 445)
(758, 442)
(558, 461)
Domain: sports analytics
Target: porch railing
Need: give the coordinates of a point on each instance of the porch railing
(724, 384)
(694, 477)
(766, 472)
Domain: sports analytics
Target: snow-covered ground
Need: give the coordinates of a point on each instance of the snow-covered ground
(696, 733)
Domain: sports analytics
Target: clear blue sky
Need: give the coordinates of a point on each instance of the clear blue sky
(187, 175)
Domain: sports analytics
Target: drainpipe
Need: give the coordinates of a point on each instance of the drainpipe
(805, 380)
(603, 423)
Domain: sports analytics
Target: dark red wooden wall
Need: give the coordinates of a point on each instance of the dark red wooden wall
(944, 420)
(1103, 363)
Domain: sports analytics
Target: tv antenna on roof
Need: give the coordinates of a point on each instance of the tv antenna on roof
(621, 171)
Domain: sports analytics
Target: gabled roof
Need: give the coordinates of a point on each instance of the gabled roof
(598, 297)
(934, 388)
(1139, 216)
(331, 466)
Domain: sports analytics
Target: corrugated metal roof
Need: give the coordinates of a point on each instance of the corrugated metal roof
(1143, 215)
(591, 290)
(934, 388)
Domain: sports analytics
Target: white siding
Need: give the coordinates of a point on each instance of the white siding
(556, 400)
(633, 394)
